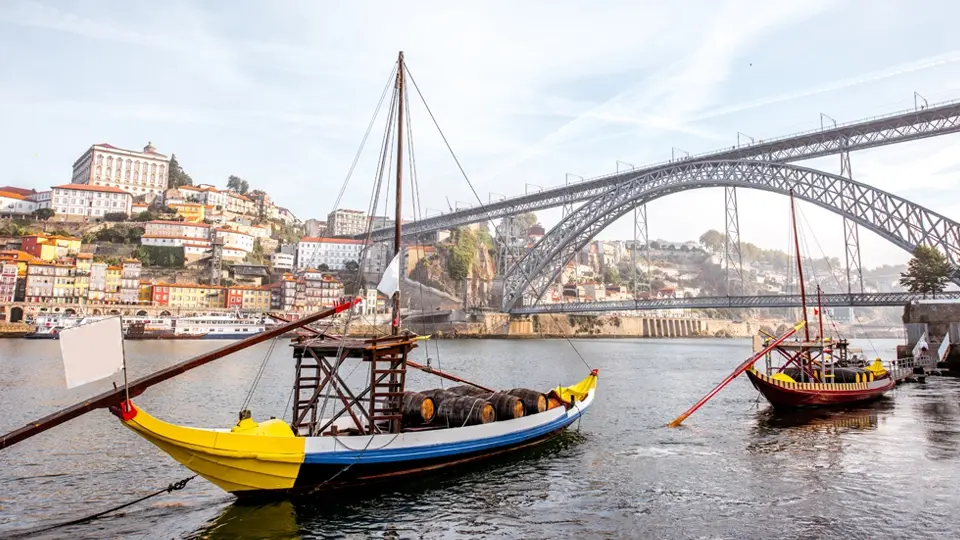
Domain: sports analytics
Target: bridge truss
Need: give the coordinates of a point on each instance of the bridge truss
(733, 302)
(869, 133)
(902, 222)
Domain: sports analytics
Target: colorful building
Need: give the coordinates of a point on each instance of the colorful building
(190, 211)
(50, 247)
(189, 296)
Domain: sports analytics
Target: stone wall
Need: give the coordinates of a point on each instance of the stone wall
(937, 316)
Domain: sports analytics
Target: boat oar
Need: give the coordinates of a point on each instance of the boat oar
(740, 369)
(118, 395)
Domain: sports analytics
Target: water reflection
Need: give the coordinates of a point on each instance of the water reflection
(395, 510)
(939, 413)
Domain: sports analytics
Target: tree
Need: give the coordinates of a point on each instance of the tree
(235, 183)
(176, 176)
(115, 216)
(323, 267)
(712, 240)
(351, 266)
(43, 214)
(927, 272)
(611, 275)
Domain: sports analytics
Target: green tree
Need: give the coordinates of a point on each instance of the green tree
(712, 240)
(323, 267)
(351, 266)
(611, 275)
(43, 214)
(927, 272)
(115, 216)
(176, 176)
(235, 183)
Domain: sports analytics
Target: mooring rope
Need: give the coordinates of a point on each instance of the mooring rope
(175, 486)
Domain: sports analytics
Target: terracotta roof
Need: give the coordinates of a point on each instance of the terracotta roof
(321, 240)
(87, 187)
(176, 237)
(17, 255)
(188, 286)
(11, 195)
(112, 147)
(18, 191)
(185, 204)
(184, 223)
(84, 255)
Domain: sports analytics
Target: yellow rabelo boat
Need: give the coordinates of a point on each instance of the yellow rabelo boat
(384, 432)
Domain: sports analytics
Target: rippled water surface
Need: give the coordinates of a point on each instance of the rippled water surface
(735, 470)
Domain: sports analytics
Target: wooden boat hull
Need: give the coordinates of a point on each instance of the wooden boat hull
(782, 394)
(268, 459)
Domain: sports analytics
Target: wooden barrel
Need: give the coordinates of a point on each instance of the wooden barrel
(417, 408)
(466, 411)
(467, 390)
(438, 396)
(533, 402)
(553, 402)
(508, 407)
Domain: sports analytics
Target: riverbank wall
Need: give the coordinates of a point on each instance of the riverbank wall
(503, 326)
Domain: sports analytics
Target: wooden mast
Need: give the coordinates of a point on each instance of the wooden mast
(401, 96)
(119, 396)
(796, 245)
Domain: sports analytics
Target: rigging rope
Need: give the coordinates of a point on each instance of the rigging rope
(175, 486)
(480, 201)
(363, 141)
(259, 375)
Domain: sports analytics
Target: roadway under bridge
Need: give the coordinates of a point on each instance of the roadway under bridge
(736, 302)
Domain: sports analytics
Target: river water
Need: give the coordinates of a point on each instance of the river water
(734, 470)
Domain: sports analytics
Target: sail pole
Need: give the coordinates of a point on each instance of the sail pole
(803, 291)
(395, 320)
(796, 245)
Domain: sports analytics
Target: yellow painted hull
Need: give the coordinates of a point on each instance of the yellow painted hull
(233, 461)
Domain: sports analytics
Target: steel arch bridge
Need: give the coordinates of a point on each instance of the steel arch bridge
(898, 220)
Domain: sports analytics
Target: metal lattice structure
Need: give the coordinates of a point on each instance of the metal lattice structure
(851, 234)
(641, 237)
(731, 242)
(869, 133)
(734, 302)
(898, 220)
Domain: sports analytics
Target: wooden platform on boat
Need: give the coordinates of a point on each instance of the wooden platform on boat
(331, 345)
(812, 345)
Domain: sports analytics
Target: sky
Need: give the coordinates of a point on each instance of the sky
(281, 93)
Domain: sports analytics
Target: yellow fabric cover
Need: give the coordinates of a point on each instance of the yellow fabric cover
(876, 368)
(782, 377)
(252, 456)
(578, 391)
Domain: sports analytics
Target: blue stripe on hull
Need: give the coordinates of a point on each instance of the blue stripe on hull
(424, 452)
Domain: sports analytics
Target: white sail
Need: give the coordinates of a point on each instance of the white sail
(91, 351)
(390, 282)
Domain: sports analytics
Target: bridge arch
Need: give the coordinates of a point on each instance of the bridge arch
(894, 218)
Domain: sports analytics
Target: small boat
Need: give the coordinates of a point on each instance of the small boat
(814, 372)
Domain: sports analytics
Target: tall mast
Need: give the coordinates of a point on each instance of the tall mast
(796, 245)
(401, 96)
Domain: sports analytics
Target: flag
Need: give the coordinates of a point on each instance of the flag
(390, 282)
(91, 351)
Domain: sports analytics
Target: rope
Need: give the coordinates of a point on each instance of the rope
(259, 375)
(175, 486)
(480, 201)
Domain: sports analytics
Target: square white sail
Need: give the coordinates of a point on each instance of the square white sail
(390, 282)
(91, 351)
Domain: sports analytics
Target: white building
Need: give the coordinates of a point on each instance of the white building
(204, 194)
(8, 281)
(281, 261)
(14, 204)
(342, 221)
(135, 172)
(235, 240)
(333, 252)
(175, 229)
(78, 201)
(240, 204)
(44, 199)
(286, 216)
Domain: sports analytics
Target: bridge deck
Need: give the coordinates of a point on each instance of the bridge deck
(734, 302)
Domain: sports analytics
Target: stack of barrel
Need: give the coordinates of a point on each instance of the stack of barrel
(460, 406)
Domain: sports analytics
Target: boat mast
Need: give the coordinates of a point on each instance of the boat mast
(796, 245)
(805, 353)
(401, 96)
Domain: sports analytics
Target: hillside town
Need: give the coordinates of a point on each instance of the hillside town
(132, 228)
